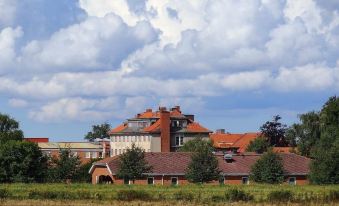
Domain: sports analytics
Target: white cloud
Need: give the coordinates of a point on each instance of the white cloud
(8, 38)
(7, 12)
(18, 103)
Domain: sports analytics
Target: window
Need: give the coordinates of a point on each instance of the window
(245, 180)
(94, 155)
(292, 181)
(179, 140)
(101, 155)
(150, 180)
(87, 155)
(119, 151)
(116, 152)
(144, 138)
(174, 181)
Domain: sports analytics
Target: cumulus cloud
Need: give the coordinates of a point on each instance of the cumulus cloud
(7, 12)
(17, 103)
(126, 55)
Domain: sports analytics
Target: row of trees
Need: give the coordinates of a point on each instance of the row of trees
(22, 161)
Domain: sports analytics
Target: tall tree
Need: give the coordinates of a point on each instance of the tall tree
(195, 145)
(98, 132)
(64, 167)
(268, 169)
(9, 129)
(132, 164)
(203, 166)
(274, 132)
(21, 162)
(258, 145)
(325, 164)
(305, 134)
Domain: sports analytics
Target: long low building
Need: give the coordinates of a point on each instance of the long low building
(169, 168)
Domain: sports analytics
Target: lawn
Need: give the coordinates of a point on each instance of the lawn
(87, 194)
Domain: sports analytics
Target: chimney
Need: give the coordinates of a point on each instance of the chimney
(176, 108)
(165, 130)
(148, 110)
(220, 131)
(162, 109)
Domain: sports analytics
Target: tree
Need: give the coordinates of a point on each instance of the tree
(268, 169)
(21, 162)
(65, 167)
(82, 174)
(258, 145)
(195, 145)
(98, 132)
(305, 134)
(274, 132)
(9, 129)
(132, 164)
(203, 166)
(325, 164)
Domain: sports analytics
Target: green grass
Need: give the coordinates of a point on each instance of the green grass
(202, 194)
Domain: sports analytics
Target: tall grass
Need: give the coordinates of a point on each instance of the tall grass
(202, 194)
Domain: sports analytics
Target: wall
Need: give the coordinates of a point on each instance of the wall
(120, 143)
(156, 144)
(98, 171)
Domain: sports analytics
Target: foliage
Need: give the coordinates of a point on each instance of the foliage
(203, 166)
(234, 195)
(280, 196)
(21, 162)
(258, 145)
(4, 193)
(305, 134)
(325, 164)
(274, 132)
(195, 145)
(268, 169)
(130, 195)
(64, 167)
(132, 164)
(183, 195)
(9, 129)
(82, 174)
(98, 132)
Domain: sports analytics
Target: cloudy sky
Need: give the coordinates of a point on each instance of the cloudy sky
(68, 64)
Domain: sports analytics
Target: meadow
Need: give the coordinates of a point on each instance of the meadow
(87, 194)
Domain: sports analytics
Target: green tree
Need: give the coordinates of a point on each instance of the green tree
(21, 162)
(274, 132)
(325, 164)
(64, 167)
(203, 166)
(98, 132)
(306, 134)
(132, 164)
(195, 145)
(258, 145)
(268, 169)
(82, 174)
(9, 129)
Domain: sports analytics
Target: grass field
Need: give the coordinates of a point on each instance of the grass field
(87, 194)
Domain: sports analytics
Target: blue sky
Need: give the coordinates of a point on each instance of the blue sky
(68, 64)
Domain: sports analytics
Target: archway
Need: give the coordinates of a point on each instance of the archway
(105, 179)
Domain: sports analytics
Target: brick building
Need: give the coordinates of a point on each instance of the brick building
(156, 131)
(169, 168)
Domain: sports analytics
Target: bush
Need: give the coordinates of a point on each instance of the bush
(185, 196)
(130, 195)
(237, 195)
(4, 193)
(280, 196)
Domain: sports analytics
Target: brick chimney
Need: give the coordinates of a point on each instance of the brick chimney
(165, 130)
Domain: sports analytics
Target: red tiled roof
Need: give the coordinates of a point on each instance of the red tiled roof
(228, 140)
(118, 128)
(282, 149)
(154, 127)
(196, 127)
(177, 163)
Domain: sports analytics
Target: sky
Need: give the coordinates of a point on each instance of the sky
(68, 64)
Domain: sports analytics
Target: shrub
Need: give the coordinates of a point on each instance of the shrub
(4, 193)
(130, 195)
(237, 195)
(280, 196)
(181, 195)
